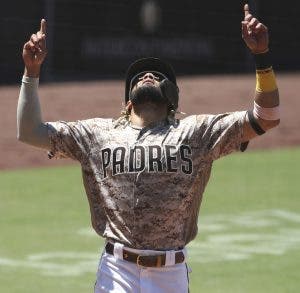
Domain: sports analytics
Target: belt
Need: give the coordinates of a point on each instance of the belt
(145, 260)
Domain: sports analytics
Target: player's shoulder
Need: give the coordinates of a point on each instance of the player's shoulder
(97, 123)
(193, 120)
(207, 119)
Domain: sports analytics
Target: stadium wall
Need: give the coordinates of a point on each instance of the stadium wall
(98, 39)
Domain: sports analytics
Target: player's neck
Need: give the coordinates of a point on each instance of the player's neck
(147, 114)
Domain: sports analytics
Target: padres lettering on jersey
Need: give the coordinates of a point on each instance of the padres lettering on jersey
(152, 158)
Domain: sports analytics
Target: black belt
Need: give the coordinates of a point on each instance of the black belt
(145, 260)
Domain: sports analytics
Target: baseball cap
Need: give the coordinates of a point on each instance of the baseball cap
(149, 64)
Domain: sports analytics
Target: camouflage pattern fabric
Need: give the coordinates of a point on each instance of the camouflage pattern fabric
(145, 185)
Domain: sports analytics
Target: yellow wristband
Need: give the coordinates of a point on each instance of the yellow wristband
(265, 80)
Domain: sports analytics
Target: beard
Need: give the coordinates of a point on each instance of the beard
(147, 94)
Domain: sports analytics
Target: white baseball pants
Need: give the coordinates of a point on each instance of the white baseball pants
(116, 275)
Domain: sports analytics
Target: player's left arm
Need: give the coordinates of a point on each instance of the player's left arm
(265, 113)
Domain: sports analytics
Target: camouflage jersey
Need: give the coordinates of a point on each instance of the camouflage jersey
(145, 185)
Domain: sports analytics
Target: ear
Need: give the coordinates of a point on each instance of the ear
(128, 106)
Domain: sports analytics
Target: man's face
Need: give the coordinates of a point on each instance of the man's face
(147, 78)
(145, 89)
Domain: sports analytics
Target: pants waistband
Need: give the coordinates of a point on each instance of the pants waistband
(159, 259)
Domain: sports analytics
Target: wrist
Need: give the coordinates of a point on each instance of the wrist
(265, 78)
(262, 60)
(32, 71)
(262, 51)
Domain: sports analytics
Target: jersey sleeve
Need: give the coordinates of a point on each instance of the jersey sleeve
(74, 139)
(220, 135)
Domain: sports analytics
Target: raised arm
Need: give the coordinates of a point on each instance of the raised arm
(265, 114)
(30, 127)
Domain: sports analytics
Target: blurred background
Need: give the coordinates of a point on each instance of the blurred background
(94, 39)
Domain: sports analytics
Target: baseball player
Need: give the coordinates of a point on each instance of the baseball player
(145, 173)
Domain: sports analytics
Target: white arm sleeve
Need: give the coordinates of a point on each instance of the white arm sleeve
(30, 127)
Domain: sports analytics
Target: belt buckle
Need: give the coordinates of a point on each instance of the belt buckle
(158, 261)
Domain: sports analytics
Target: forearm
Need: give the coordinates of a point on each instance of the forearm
(265, 113)
(30, 126)
(266, 94)
(267, 100)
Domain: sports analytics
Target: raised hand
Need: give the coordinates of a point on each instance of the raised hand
(35, 51)
(254, 33)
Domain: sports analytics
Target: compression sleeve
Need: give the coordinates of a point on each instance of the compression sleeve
(30, 128)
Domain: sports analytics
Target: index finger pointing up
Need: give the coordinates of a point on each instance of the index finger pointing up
(43, 26)
(246, 9)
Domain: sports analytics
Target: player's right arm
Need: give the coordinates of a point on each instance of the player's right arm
(30, 127)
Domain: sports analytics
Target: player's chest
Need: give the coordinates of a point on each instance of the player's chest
(138, 151)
